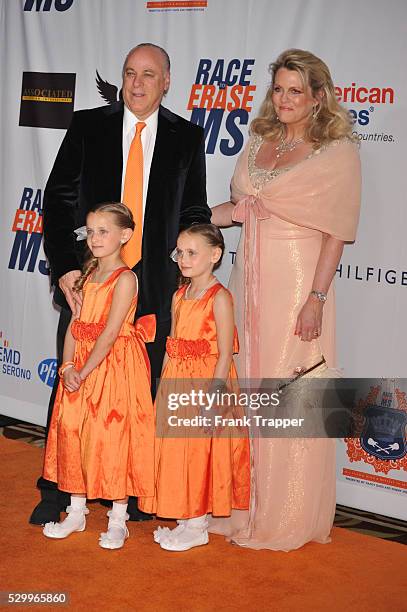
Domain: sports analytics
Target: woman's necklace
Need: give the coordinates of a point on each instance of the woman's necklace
(285, 147)
(200, 294)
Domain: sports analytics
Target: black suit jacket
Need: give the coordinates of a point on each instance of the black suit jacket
(88, 170)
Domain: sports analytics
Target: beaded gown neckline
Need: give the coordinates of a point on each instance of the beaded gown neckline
(260, 176)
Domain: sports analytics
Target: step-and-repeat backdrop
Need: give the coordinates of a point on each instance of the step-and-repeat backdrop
(63, 55)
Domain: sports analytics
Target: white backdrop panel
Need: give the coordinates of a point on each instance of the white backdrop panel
(363, 43)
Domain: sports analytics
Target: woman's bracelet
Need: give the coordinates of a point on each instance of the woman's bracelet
(320, 295)
(65, 366)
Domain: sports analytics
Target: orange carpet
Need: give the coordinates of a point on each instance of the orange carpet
(353, 572)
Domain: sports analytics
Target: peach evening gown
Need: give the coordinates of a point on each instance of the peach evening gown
(284, 213)
(196, 474)
(101, 438)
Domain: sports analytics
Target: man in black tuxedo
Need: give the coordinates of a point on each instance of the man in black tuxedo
(90, 168)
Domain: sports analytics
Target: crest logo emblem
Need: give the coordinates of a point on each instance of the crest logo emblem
(380, 430)
(384, 433)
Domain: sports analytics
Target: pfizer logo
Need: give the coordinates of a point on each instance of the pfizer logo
(47, 370)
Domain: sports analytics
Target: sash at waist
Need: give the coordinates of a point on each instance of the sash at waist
(181, 348)
(143, 329)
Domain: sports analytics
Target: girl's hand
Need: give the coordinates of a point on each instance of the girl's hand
(72, 379)
(309, 321)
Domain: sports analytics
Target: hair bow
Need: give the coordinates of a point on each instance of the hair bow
(81, 233)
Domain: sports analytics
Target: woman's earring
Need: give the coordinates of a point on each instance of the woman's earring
(314, 112)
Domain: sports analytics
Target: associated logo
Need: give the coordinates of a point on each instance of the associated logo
(222, 96)
(363, 102)
(47, 371)
(176, 6)
(27, 226)
(47, 99)
(382, 428)
(10, 360)
(46, 5)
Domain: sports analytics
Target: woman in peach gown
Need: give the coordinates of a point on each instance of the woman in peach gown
(296, 192)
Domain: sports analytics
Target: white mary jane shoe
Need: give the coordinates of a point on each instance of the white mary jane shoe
(163, 533)
(188, 538)
(75, 521)
(116, 534)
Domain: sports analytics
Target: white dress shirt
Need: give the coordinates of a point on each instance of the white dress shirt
(148, 136)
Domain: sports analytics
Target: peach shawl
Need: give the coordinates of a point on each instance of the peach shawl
(322, 193)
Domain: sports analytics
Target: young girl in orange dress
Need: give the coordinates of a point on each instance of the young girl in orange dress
(101, 438)
(198, 471)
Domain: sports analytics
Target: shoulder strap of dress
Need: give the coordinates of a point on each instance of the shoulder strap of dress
(180, 293)
(212, 291)
(114, 275)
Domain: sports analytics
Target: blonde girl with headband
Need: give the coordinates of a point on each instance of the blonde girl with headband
(101, 438)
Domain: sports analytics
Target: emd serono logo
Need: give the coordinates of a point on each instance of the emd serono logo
(10, 360)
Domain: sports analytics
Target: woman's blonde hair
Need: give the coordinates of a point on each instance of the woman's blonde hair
(331, 120)
(123, 218)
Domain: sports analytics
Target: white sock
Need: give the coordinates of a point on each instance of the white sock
(78, 503)
(119, 510)
(198, 522)
(74, 520)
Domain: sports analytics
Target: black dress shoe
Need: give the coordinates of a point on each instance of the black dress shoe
(52, 503)
(135, 514)
(45, 512)
(107, 503)
(138, 515)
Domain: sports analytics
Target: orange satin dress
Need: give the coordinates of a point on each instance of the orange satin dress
(196, 475)
(101, 438)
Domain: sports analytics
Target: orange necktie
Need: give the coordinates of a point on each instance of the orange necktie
(133, 197)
